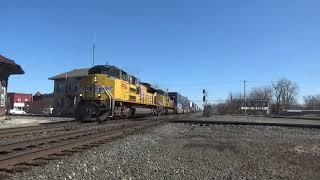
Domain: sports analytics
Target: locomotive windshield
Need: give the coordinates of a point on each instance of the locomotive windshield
(159, 91)
(108, 70)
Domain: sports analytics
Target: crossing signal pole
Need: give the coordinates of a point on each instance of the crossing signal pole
(205, 97)
(207, 109)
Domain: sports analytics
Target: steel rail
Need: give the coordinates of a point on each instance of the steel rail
(10, 162)
(6, 148)
(36, 129)
(19, 131)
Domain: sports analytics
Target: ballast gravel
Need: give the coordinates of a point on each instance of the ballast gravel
(13, 121)
(183, 151)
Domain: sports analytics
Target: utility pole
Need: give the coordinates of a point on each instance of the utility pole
(245, 98)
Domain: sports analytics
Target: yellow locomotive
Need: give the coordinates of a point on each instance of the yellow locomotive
(110, 92)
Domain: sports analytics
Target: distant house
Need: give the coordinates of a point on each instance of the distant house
(7, 68)
(18, 100)
(39, 96)
(40, 103)
(66, 90)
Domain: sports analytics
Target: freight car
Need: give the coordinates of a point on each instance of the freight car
(110, 92)
(182, 103)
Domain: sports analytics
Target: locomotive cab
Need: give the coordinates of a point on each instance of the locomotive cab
(99, 90)
(107, 91)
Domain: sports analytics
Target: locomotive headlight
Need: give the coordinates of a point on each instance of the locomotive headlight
(99, 95)
(80, 94)
(95, 78)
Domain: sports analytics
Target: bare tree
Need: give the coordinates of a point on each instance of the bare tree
(231, 103)
(285, 92)
(290, 94)
(261, 93)
(221, 108)
(312, 102)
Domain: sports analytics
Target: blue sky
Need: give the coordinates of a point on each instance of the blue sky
(182, 45)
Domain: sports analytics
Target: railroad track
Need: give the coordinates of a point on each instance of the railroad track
(16, 157)
(60, 126)
(251, 123)
(19, 131)
(48, 127)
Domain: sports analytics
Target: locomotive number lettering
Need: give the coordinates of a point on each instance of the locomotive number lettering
(124, 86)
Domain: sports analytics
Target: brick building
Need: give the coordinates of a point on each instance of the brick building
(66, 91)
(18, 100)
(7, 68)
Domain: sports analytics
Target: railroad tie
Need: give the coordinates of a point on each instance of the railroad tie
(30, 164)
(52, 157)
(71, 151)
(16, 169)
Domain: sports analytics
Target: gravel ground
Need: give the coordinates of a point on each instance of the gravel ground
(70, 127)
(182, 151)
(254, 119)
(20, 121)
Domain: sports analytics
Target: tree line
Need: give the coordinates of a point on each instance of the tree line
(312, 102)
(281, 95)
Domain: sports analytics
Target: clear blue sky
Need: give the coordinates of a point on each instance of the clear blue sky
(178, 44)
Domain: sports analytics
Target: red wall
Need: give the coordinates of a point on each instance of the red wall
(14, 97)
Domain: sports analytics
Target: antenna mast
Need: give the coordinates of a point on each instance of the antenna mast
(93, 48)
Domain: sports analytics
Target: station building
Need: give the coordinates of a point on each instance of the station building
(7, 68)
(66, 91)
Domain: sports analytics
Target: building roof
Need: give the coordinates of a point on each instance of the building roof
(71, 74)
(17, 93)
(10, 65)
(38, 94)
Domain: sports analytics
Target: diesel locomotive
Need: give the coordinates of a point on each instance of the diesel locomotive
(110, 92)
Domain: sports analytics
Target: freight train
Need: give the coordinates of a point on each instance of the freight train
(110, 92)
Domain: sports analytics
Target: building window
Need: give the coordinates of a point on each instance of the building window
(19, 99)
(26, 100)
